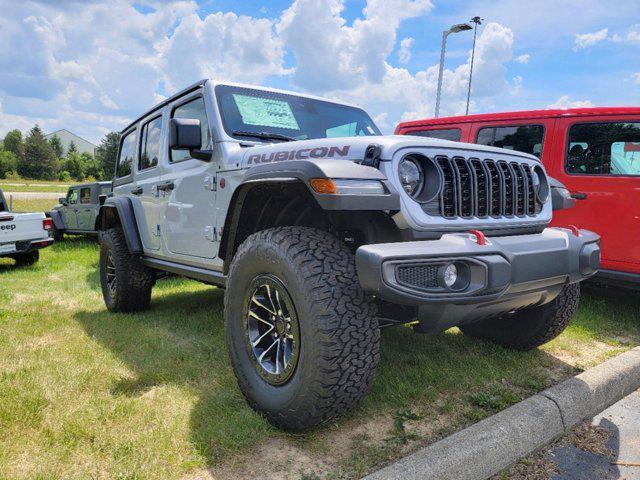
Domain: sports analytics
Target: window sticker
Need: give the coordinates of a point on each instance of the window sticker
(265, 112)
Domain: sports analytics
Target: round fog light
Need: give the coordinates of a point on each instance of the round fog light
(450, 275)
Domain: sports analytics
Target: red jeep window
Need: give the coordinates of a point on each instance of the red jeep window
(523, 138)
(604, 149)
(444, 133)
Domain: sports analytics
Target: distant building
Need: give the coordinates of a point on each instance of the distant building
(66, 137)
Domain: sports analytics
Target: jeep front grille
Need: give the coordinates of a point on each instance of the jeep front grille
(481, 188)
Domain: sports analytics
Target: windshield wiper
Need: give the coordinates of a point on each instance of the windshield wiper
(265, 135)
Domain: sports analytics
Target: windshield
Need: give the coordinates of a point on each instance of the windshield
(249, 114)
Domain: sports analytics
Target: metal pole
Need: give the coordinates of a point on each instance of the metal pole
(477, 21)
(439, 90)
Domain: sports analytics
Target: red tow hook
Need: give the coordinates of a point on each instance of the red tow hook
(575, 230)
(480, 238)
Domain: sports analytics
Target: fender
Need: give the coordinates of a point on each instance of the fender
(305, 170)
(57, 220)
(120, 210)
(301, 172)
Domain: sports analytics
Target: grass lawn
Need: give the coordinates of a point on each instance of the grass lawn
(33, 186)
(32, 204)
(87, 394)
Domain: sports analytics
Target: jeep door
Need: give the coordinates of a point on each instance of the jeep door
(69, 212)
(86, 210)
(148, 174)
(598, 160)
(188, 190)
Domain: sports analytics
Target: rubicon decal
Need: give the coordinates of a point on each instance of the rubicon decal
(302, 154)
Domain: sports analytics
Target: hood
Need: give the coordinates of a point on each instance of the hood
(353, 148)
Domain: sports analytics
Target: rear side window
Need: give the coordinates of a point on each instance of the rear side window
(193, 109)
(127, 152)
(72, 198)
(604, 149)
(150, 144)
(444, 134)
(85, 195)
(523, 138)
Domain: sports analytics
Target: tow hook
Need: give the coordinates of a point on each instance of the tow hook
(480, 239)
(575, 230)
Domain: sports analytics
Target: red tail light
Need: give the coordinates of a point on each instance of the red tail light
(47, 224)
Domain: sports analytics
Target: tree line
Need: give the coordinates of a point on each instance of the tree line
(38, 158)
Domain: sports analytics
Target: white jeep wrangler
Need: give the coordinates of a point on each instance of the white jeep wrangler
(323, 231)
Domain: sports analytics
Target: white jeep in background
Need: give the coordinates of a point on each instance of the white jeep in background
(22, 235)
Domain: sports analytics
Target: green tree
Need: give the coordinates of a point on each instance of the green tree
(72, 148)
(107, 152)
(56, 144)
(91, 167)
(39, 158)
(8, 163)
(13, 143)
(74, 165)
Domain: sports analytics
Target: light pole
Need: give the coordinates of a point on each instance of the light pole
(461, 27)
(477, 21)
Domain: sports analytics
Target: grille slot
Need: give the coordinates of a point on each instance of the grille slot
(481, 188)
(418, 276)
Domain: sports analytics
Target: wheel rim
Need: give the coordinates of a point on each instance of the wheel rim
(110, 268)
(272, 332)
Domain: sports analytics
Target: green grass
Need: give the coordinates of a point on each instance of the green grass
(32, 204)
(33, 186)
(88, 394)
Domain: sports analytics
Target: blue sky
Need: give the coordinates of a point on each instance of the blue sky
(90, 66)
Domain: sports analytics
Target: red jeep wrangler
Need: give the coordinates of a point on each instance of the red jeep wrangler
(594, 152)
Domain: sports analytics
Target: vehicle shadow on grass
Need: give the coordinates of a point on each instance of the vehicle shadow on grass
(180, 342)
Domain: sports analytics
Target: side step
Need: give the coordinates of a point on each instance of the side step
(211, 277)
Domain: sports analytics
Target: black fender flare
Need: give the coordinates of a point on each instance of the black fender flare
(58, 222)
(302, 171)
(119, 210)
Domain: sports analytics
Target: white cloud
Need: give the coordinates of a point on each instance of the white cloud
(523, 59)
(564, 102)
(632, 36)
(636, 77)
(404, 54)
(585, 40)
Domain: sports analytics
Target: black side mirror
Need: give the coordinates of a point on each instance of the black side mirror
(62, 200)
(185, 134)
(101, 199)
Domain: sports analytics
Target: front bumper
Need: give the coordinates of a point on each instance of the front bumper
(504, 274)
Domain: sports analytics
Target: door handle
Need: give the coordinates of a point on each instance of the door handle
(578, 195)
(166, 186)
(137, 191)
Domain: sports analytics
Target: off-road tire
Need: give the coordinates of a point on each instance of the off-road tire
(134, 281)
(529, 328)
(339, 334)
(27, 259)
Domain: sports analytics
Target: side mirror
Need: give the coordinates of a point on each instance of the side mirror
(101, 199)
(560, 196)
(62, 200)
(185, 134)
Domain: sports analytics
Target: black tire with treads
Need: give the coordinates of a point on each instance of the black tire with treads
(27, 259)
(134, 281)
(531, 327)
(339, 334)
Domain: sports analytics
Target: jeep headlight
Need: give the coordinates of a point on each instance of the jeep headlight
(411, 176)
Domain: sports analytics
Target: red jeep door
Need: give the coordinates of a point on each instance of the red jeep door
(598, 160)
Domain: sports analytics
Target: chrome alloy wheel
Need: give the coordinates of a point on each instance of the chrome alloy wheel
(272, 332)
(110, 267)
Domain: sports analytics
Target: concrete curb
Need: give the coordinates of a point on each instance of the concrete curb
(493, 444)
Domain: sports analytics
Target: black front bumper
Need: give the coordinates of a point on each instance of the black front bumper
(504, 274)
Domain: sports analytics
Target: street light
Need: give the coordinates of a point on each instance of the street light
(477, 21)
(460, 27)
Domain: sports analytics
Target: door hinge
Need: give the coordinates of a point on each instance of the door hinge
(211, 182)
(156, 230)
(211, 233)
